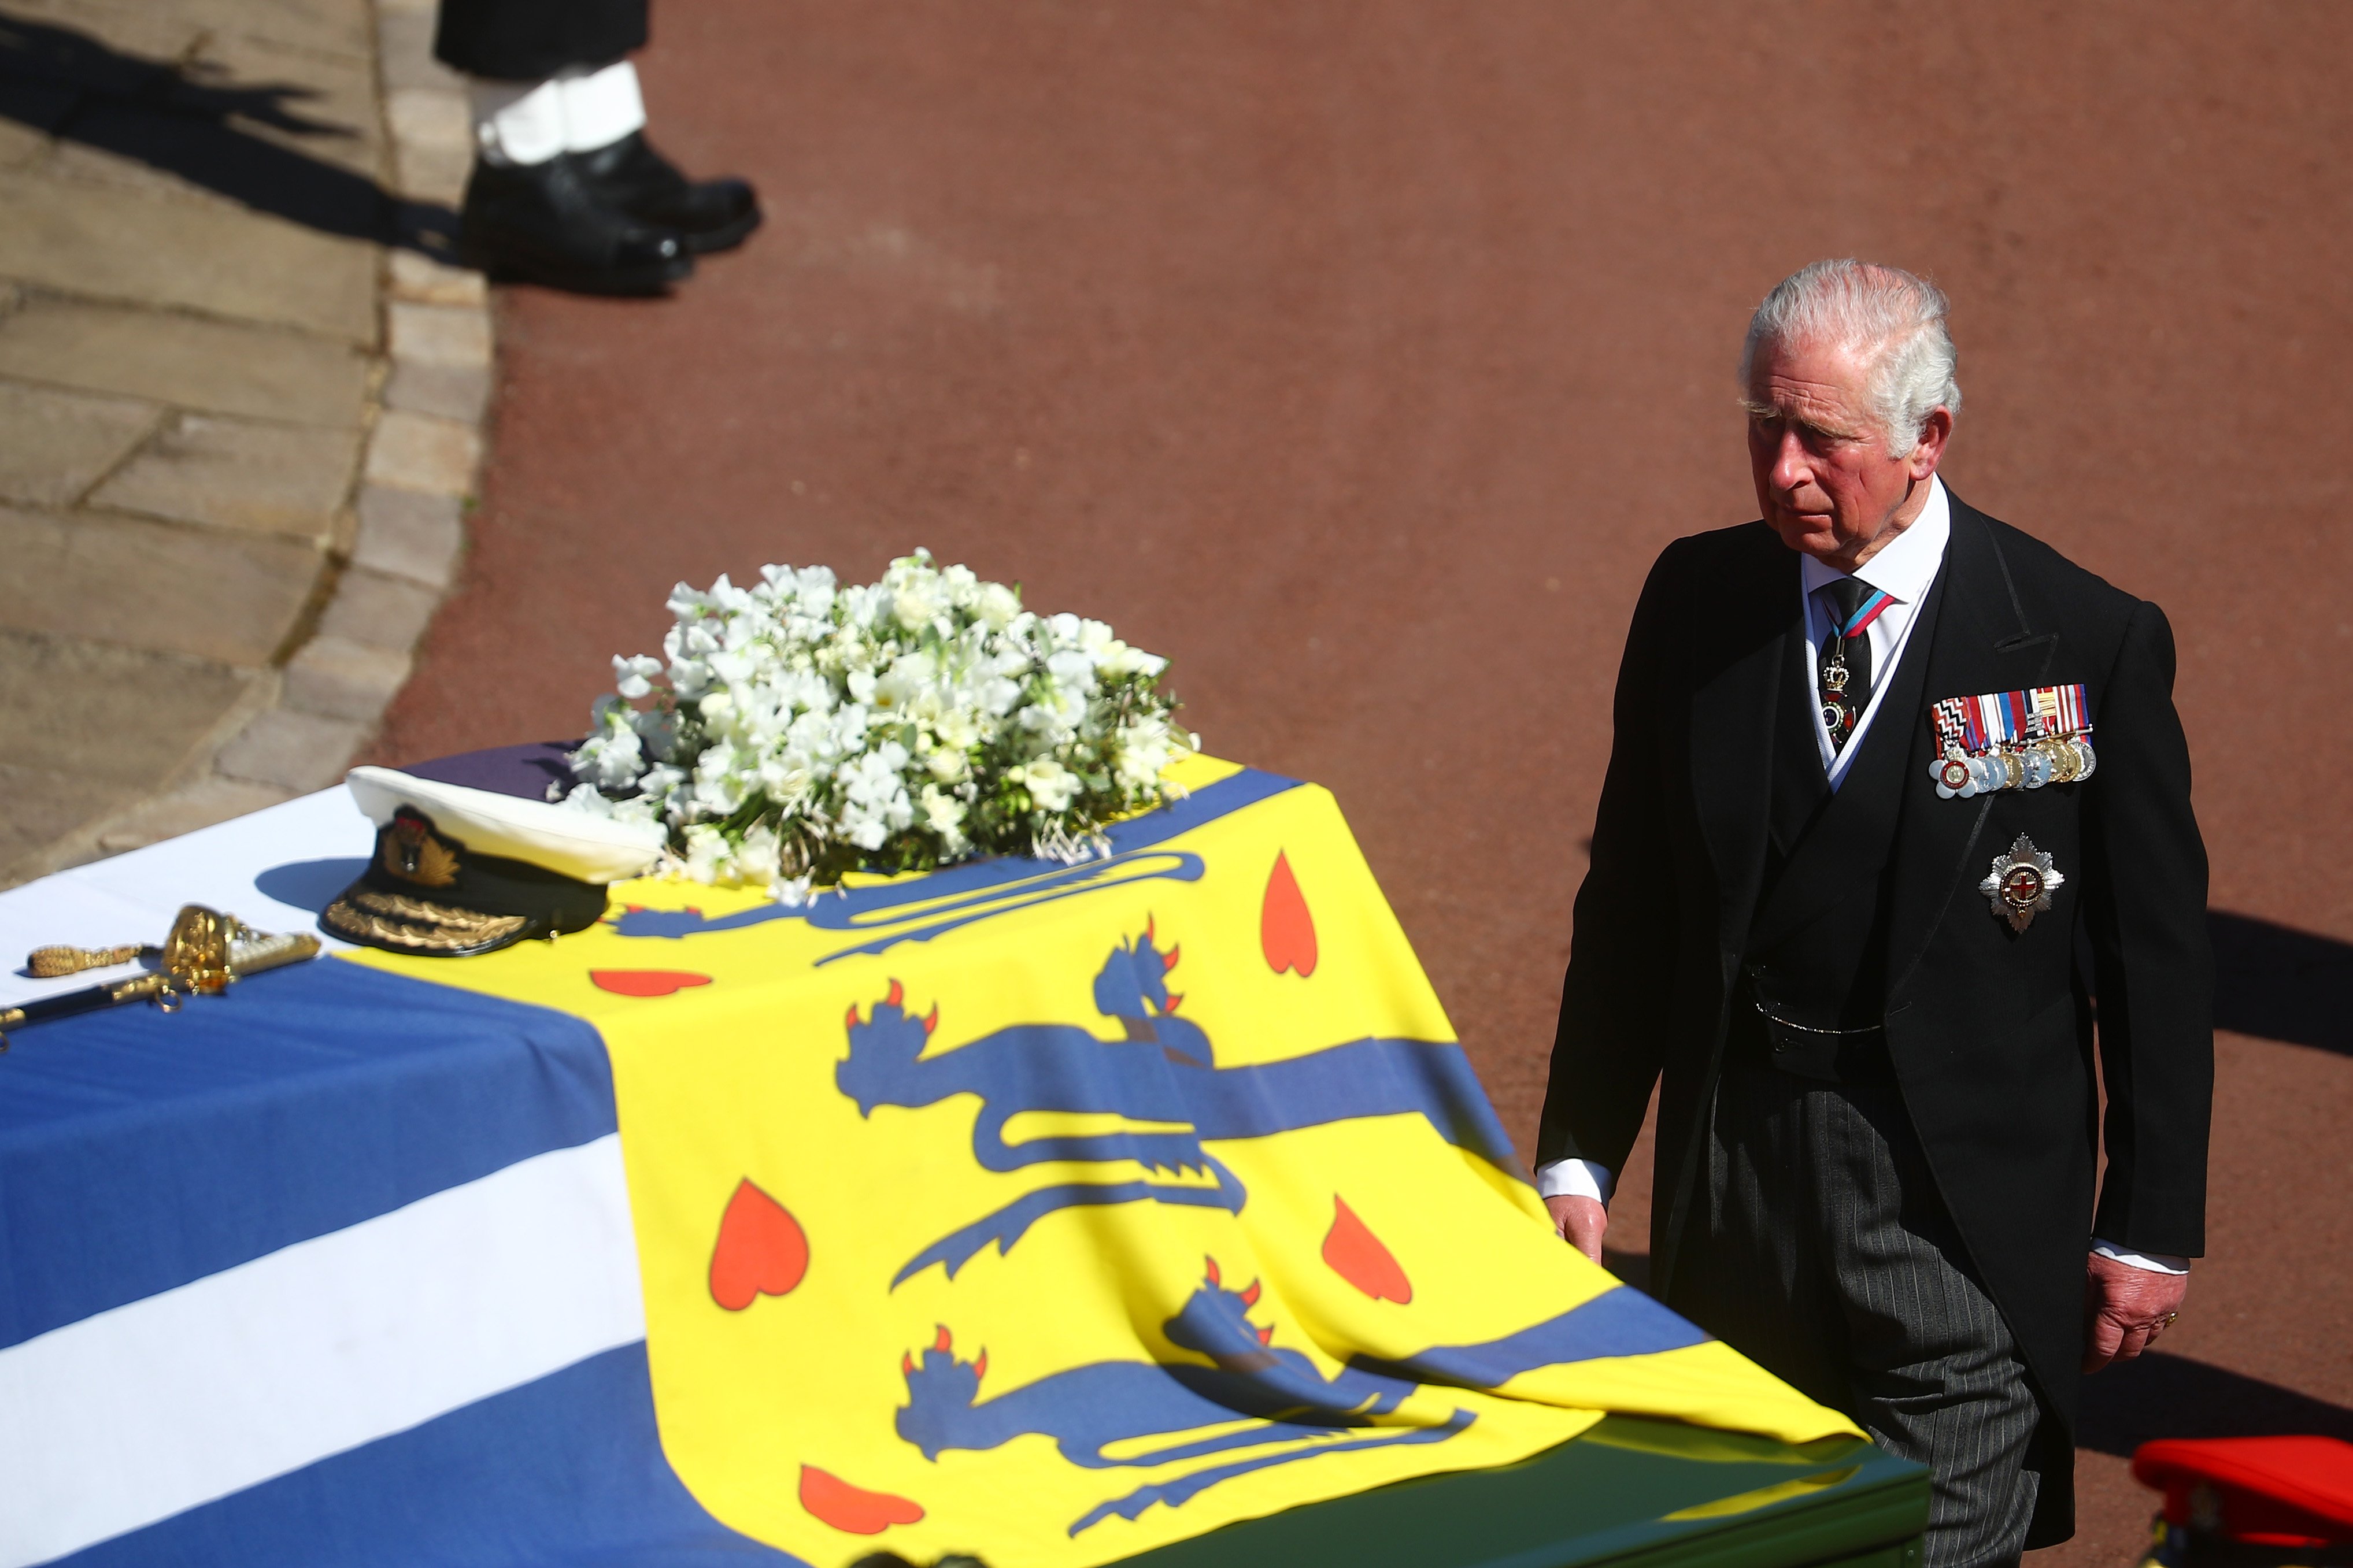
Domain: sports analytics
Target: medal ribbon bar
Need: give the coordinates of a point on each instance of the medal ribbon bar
(2011, 740)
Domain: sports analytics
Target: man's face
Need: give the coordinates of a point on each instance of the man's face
(1823, 476)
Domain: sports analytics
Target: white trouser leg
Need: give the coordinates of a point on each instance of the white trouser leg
(600, 107)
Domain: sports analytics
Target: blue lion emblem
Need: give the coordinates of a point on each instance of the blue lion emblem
(1088, 1409)
(1161, 1069)
(1240, 1373)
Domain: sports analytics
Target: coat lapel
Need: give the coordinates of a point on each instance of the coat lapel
(1736, 693)
(1983, 642)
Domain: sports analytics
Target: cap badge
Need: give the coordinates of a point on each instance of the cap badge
(414, 853)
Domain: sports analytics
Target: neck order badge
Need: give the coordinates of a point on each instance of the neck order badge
(1054, 1214)
(1845, 674)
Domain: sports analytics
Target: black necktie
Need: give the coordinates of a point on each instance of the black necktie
(1845, 673)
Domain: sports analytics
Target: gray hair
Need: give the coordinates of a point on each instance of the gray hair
(1895, 319)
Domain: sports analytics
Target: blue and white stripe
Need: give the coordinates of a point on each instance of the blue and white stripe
(335, 1270)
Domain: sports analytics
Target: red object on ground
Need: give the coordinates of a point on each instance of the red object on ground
(2271, 1491)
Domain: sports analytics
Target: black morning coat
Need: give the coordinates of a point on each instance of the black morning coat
(1990, 1031)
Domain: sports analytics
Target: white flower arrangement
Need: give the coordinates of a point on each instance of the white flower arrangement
(798, 729)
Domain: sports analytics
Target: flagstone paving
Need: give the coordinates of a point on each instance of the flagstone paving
(240, 403)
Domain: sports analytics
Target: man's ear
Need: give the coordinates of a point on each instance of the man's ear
(1934, 431)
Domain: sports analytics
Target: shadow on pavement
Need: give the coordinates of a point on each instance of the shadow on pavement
(65, 83)
(2282, 984)
(2161, 1395)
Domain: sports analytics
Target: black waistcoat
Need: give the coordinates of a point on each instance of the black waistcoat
(1817, 946)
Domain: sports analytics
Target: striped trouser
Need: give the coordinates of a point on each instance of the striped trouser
(1828, 1258)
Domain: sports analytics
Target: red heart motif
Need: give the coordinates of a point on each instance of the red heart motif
(645, 982)
(1286, 932)
(1356, 1255)
(761, 1251)
(854, 1509)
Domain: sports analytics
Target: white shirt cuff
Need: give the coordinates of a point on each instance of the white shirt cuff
(2154, 1262)
(1574, 1179)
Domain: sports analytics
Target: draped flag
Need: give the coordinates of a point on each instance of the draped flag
(1049, 1214)
(1052, 1214)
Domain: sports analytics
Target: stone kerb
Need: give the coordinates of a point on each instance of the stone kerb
(345, 462)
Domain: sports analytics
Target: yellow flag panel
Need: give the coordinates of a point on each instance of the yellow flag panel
(1054, 1213)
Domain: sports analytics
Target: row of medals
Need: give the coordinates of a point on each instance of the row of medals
(2054, 759)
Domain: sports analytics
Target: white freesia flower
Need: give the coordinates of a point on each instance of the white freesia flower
(1052, 784)
(795, 728)
(996, 604)
(586, 797)
(917, 604)
(943, 813)
(756, 856)
(706, 850)
(960, 728)
(998, 696)
(1074, 669)
(790, 777)
(631, 677)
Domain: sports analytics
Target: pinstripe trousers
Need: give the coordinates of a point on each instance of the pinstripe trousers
(1829, 1259)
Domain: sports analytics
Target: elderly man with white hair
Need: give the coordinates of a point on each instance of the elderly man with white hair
(1894, 841)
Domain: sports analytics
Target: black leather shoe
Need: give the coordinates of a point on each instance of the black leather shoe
(542, 223)
(632, 178)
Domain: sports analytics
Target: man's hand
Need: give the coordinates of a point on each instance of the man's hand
(1581, 1222)
(2125, 1309)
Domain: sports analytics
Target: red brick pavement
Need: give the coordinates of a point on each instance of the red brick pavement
(1362, 356)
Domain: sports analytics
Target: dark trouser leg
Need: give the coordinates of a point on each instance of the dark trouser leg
(1829, 1259)
(1756, 1276)
(1936, 1376)
(528, 40)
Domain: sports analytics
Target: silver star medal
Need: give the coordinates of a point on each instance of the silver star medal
(2021, 884)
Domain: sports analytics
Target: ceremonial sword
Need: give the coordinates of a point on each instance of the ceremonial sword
(206, 952)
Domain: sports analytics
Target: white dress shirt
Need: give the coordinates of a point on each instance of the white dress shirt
(1904, 569)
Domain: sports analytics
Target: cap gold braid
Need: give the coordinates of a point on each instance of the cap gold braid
(415, 923)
